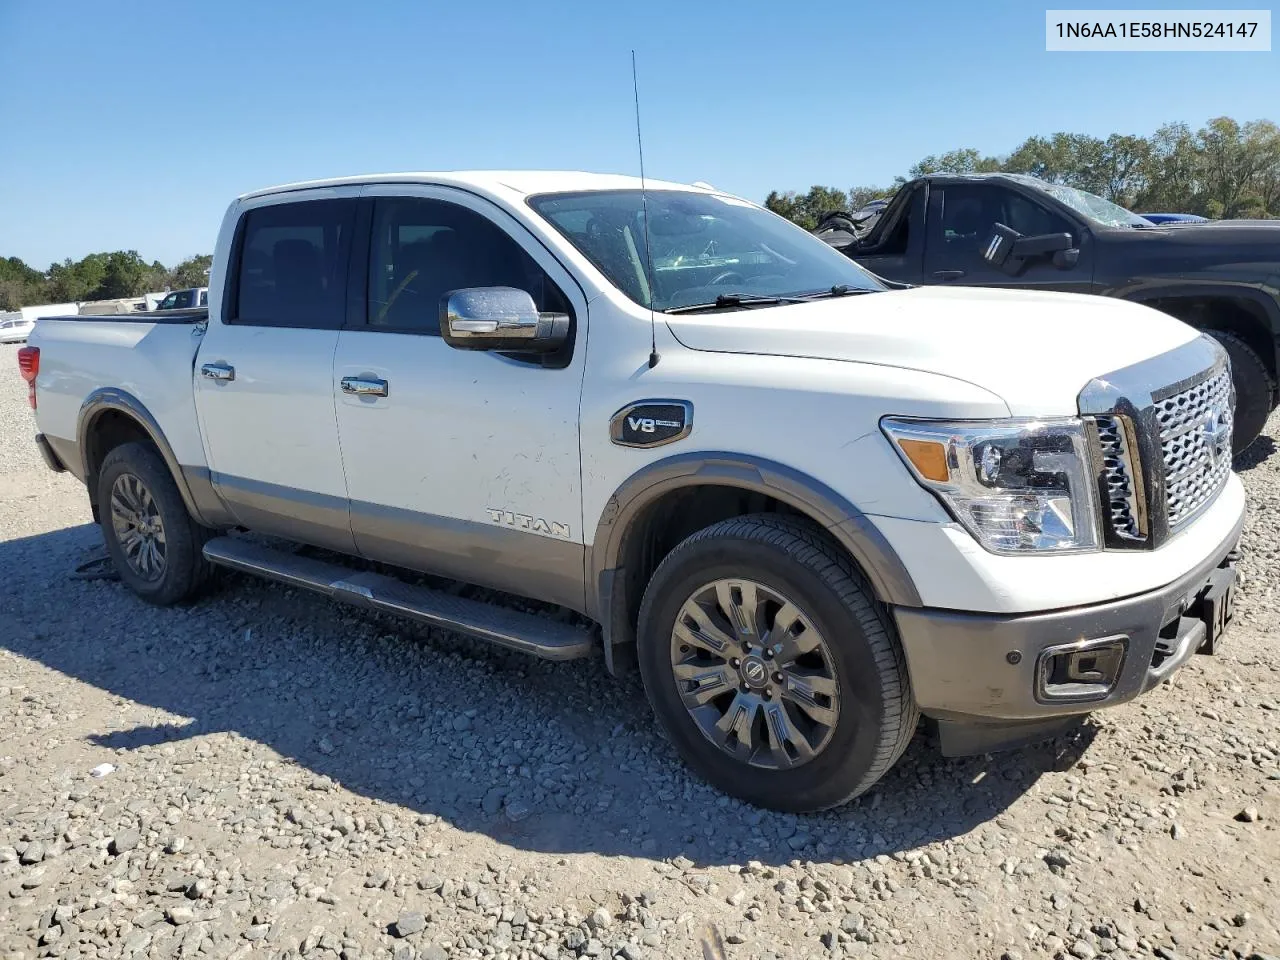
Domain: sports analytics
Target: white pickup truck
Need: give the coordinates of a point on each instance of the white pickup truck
(808, 507)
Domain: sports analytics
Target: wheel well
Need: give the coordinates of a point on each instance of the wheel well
(1238, 315)
(109, 429)
(661, 525)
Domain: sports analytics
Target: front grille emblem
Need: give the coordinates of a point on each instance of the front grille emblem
(1217, 432)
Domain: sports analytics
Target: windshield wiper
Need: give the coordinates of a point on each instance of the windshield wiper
(839, 290)
(728, 300)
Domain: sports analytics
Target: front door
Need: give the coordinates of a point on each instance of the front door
(461, 463)
(264, 373)
(961, 219)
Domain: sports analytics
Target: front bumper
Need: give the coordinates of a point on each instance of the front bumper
(987, 671)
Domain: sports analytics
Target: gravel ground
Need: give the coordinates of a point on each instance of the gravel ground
(289, 778)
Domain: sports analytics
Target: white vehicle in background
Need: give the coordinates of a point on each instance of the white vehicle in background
(188, 299)
(16, 325)
(107, 308)
(808, 507)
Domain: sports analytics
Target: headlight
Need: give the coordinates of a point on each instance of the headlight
(1019, 486)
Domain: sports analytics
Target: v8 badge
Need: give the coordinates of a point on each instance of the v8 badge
(651, 423)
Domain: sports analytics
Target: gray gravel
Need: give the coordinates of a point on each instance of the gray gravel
(293, 779)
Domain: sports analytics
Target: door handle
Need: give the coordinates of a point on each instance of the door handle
(948, 274)
(364, 386)
(218, 371)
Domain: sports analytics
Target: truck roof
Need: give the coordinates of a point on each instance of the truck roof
(975, 177)
(522, 183)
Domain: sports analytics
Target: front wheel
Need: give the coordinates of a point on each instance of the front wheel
(154, 544)
(771, 666)
(1255, 389)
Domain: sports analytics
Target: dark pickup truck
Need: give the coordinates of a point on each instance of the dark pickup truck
(1009, 230)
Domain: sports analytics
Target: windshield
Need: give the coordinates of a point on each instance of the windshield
(704, 246)
(1092, 206)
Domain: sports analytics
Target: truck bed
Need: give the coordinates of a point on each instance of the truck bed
(190, 315)
(149, 356)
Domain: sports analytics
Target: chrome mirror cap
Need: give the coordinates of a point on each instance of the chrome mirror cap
(499, 318)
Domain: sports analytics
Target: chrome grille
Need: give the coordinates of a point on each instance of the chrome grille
(1195, 440)
(1119, 483)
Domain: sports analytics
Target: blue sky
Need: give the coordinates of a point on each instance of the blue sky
(131, 125)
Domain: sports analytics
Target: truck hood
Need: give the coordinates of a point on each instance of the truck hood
(1262, 236)
(1036, 351)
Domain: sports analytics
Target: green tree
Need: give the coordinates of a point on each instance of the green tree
(1072, 159)
(192, 272)
(123, 276)
(1173, 172)
(808, 208)
(963, 160)
(73, 281)
(1238, 162)
(860, 196)
(20, 285)
(1225, 169)
(1120, 168)
(155, 278)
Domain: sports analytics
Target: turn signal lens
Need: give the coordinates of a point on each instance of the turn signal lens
(29, 367)
(29, 363)
(928, 457)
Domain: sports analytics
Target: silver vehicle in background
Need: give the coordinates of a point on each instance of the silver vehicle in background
(15, 325)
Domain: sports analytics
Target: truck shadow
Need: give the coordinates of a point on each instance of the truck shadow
(557, 758)
(1259, 452)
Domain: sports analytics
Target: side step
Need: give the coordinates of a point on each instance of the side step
(501, 625)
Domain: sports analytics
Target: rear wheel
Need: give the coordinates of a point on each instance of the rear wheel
(154, 543)
(771, 666)
(1255, 389)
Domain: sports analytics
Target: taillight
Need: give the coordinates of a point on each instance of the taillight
(29, 367)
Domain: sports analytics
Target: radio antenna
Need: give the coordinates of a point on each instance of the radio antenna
(644, 204)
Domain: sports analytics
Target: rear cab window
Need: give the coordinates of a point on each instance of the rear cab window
(290, 262)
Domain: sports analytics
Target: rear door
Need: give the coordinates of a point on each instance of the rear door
(264, 373)
(960, 221)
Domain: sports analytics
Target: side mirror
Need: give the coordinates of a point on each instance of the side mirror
(503, 319)
(1066, 259)
(1000, 244)
(1047, 243)
(1010, 250)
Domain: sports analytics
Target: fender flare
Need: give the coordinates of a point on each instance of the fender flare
(1270, 308)
(106, 399)
(844, 521)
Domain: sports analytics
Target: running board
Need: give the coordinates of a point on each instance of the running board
(501, 625)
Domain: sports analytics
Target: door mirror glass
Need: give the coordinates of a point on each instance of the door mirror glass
(500, 318)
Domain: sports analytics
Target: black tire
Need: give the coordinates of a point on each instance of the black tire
(184, 570)
(878, 714)
(1255, 390)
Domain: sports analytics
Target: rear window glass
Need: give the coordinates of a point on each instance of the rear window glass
(293, 264)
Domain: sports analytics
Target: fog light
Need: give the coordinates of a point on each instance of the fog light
(1084, 670)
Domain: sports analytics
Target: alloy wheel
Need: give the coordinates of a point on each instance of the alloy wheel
(755, 674)
(135, 518)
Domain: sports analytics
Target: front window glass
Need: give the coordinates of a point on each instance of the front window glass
(703, 246)
(422, 249)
